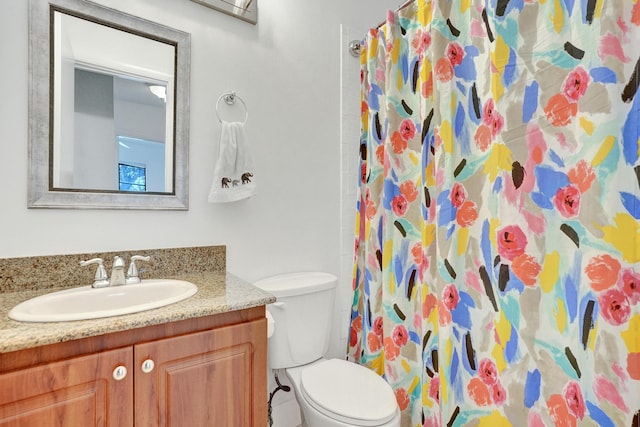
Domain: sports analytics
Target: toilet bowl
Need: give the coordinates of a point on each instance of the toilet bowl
(330, 392)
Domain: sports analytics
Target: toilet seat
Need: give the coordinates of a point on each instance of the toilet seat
(348, 392)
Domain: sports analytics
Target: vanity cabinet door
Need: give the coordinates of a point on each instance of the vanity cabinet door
(80, 391)
(214, 378)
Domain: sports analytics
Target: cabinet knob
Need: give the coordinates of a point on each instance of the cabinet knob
(147, 366)
(119, 373)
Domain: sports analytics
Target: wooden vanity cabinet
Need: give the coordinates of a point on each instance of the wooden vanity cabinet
(203, 372)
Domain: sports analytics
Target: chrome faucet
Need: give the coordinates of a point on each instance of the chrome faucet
(118, 277)
(101, 279)
(132, 273)
(117, 272)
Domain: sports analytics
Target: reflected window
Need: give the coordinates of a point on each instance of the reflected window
(132, 178)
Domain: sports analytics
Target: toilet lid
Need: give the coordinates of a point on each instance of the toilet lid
(348, 392)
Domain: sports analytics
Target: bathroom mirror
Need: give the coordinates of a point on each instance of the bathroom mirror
(108, 109)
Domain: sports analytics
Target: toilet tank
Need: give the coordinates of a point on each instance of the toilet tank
(302, 316)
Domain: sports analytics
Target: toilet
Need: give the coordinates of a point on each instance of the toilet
(330, 392)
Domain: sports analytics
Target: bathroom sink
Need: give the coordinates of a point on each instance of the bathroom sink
(85, 302)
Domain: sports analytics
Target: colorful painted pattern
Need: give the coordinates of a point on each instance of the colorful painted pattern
(497, 272)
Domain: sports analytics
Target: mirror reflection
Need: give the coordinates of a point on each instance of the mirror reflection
(111, 92)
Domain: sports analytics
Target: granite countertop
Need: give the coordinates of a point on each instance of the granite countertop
(218, 292)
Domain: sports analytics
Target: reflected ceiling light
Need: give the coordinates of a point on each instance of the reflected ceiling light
(159, 91)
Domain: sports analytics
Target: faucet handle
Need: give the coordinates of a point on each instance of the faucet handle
(132, 273)
(101, 279)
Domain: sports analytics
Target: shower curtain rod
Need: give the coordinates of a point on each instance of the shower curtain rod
(402, 6)
(354, 45)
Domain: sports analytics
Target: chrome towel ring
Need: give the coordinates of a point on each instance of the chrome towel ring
(230, 99)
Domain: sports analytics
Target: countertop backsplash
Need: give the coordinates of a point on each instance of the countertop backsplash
(62, 271)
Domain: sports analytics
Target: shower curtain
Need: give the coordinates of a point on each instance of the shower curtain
(496, 276)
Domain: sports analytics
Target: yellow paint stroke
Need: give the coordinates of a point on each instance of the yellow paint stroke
(406, 366)
(386, 254)
(446, 134)
(593, 334)
(377, 364)
(414, 159)
(373, 47)
(426, 400)
(499, 160)
(428, 235)
(465, 5)
(498, 356)
(558, 16)
(550, 272)
(631, 336)
(561, 315)
(424, 13)
(597, 13)
(413, 385)
(503, 328)
(500, 59)
(624, 236)
(587, 125)
(395, 51)
(495, 419)
(463, 240)
(429, 175)
(493, 226)
(444, 374)
(604, 150)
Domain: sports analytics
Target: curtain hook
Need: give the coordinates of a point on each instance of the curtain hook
(230, 98)
(354, 48)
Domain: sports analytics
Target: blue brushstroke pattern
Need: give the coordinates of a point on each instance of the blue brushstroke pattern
(466, 70)
(555, 158)
(631, 133)
(598, 415)
(603, 75)
(374, 92)
(530, 102)
(631, 203)
(460, 315)
(569, 6)
(447, 213)
(550, 180)
(485, 244)
(510, 69)
(511, 350)
(571, 296)
(532, 388)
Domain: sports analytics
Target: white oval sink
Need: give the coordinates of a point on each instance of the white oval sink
(86, 302)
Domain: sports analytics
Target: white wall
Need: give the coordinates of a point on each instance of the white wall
(288, 71)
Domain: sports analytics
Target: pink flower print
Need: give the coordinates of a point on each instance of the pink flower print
(402, 397)
(560, 110)
(399, 205)
(400, 335)
(407, 129)
(422, 40)
(374, 342)
(630, 284)
(603, 272)
(498, 393)
(398, 142)
(378, 324)
(488, 372)
(483, 137)
(450, 296)
(391, 351)
(488, 110)
(444, 70)
(455, 53)
(363, 173)
(567, 201)
(458, 195)
(409, 190)
(614, 306)
(492, 118)
(573, 397)
(434, 388)
(575, 85)
(511, 242)
(479, 392)
(582, 175)
(467, 214)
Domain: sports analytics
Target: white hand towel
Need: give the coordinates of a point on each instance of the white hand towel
(233, 175)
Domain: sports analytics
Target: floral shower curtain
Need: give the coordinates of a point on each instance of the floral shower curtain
(497, 273)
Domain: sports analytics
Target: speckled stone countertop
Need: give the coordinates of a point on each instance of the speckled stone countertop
(217, 293)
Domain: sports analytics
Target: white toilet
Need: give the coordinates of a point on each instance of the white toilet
(331, 392)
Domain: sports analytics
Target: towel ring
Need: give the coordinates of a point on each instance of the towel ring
(230, 99)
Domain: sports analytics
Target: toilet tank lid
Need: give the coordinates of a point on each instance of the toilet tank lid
(290, 284)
